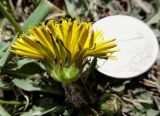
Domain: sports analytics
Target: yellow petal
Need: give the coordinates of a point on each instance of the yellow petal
(23, 53)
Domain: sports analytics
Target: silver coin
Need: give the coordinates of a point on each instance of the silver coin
(138, 46)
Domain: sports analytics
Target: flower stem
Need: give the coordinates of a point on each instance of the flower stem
(73, 96)
(11, 102)
(10, 18)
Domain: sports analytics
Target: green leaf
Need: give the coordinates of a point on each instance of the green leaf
(27, 66)
(152, 112)
(39, 111)
(40, 13)
(3, 46)
(3, 112)
(4, 59)
(1, 54)
(35, 111)
(23, 62)
(154, 19)
(70, 8)
(4, 85)
(145, 97)
(10, 18)
(157, 102)
(36, 83)
(118, 88)
(47, 102)
(26, 83)
(35, 2)
(135, 13)
(76, 8)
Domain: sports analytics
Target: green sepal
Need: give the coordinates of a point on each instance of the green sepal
(64, 74)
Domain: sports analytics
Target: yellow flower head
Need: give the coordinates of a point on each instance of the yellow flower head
(62, 47)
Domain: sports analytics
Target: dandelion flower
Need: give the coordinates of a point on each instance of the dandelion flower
(62, 47)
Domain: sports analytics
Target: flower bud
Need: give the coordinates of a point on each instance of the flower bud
(110, 106)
